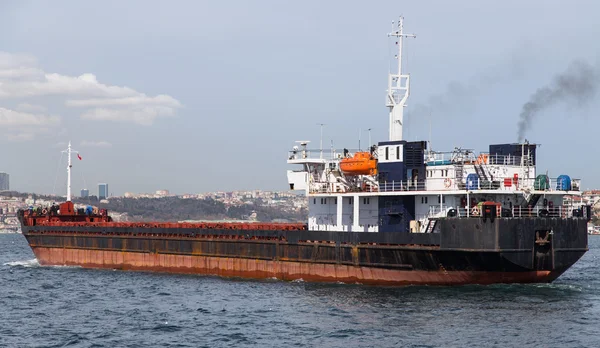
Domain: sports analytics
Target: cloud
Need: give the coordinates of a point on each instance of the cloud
(140, 109)
(23, 126)
(140, 100)
(15, 60)
(21, 78)
(140, 115)
(20, 73)
(11, 118)
(30, 108)
(87, 143)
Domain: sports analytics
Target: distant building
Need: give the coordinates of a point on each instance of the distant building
(85, 193)
(102, 191)
(162, 193)
(591, 197)
(4, 182)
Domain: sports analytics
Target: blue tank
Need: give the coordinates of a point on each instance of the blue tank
(472, 181)
(89, 210)
(563, 182)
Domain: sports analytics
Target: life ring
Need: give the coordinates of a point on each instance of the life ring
(475, 211)
(447, 182)
(44, 211)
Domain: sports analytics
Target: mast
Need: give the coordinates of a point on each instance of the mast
(398, 87)
(69, 173)
(69, 151)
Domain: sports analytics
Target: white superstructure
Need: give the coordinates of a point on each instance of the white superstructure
(433, 184)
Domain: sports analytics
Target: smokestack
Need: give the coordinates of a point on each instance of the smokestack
(576, 85)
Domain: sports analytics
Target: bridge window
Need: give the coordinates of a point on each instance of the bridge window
(387, 153)
(397, 152)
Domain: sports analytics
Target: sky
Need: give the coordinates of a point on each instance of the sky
(199, 96)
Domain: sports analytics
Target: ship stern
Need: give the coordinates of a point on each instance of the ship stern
(531, 249)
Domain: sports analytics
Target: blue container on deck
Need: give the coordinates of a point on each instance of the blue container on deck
(472, 181)
(89, 210)
(563, 182)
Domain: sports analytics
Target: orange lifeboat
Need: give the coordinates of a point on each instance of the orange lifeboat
(363, 163)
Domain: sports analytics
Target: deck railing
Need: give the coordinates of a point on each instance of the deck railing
(449, 184)
(561, 211)
(482, 158)
(327, 153)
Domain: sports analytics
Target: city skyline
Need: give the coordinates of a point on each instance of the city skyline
(214, 96)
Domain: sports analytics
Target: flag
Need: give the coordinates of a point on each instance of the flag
(79, 156)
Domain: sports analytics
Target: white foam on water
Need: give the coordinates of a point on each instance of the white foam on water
(560, 286)
(27, 263)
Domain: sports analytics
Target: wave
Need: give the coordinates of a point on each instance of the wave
(27, 263)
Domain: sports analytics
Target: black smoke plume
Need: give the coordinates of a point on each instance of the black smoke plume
(576, 86)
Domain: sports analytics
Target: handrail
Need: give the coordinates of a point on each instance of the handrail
(325, 154)
(450, 184)
(559, 211)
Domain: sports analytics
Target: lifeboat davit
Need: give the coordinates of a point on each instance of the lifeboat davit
(363, 163)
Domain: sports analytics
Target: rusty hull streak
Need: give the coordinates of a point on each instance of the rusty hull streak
(283, 270)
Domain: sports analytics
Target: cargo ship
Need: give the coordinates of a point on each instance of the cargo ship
(395, 213)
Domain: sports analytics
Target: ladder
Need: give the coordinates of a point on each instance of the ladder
(458, 175)
(480, 172)
(431, 225)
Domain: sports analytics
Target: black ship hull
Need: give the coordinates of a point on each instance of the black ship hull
(462, 251)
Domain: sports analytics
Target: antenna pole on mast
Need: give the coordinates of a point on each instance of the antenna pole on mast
(398, 87)
(321, 146)
(69, 173)
(69, 151)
